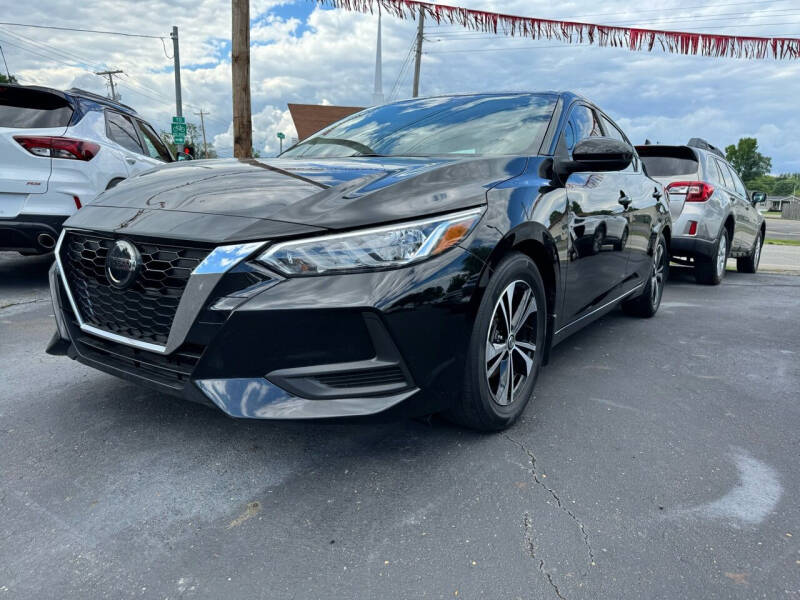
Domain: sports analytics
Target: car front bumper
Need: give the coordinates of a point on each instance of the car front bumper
(389, 342)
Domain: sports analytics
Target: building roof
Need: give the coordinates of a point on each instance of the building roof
(310, 118)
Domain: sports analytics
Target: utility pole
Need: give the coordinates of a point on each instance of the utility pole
(110, 75)
(240, 70)
(203, 129)
(377, 94)
(418, 60)
(178, 102)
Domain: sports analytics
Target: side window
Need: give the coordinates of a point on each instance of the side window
(122, 131)
(582, 124)
(613, 131)
(154, 147)
(725, 176)
(737, 183)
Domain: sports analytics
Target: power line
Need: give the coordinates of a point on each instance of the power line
(136, 35)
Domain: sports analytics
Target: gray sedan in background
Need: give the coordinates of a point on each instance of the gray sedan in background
(714, 217)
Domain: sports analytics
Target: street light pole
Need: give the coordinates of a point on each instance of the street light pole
(178, 101)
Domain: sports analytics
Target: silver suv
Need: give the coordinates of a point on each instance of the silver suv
(713, 216)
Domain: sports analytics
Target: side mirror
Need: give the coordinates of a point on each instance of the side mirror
(758, 198)
(596, 154)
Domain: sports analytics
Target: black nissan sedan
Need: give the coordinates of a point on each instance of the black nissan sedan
(418, 257)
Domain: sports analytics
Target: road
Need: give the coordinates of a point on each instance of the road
(658, 460)
(783, 229)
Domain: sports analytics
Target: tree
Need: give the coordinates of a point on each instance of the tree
(8, 79)
(747, 160)
(785, 186)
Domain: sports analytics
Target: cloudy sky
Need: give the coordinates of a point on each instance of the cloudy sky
(303, 53)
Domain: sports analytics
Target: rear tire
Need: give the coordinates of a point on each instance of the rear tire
(749, 264)
(505, 353)
(710, 271)
(646, 304)
(620, 244)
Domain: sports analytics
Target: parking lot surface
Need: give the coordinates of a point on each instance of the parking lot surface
(659, 459)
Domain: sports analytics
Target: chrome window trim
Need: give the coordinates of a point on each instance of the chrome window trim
(218, 261)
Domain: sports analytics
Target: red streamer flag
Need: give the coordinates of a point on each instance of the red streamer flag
(573, 32)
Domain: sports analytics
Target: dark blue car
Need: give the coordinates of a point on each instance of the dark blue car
(413, 258)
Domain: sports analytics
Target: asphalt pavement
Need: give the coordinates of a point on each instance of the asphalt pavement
(659, 459)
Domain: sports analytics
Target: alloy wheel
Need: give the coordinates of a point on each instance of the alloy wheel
(722, 255)
(657, 276)
(511, 342)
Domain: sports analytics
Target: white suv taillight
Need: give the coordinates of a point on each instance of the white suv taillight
(695, 191)
(58, 147)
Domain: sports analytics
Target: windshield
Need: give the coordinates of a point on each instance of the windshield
(470, 125)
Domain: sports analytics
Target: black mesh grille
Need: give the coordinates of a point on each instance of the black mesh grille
(355, 379)
(146, 309)
(172, 370)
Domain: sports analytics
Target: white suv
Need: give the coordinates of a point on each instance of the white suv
(58, 150)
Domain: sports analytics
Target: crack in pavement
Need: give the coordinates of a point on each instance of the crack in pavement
(21, 302)
(555, 497)
(526, 523)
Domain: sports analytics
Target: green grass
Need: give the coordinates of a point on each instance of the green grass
(773, 214)
(782, 242)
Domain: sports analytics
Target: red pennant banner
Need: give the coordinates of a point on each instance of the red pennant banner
(573, 32)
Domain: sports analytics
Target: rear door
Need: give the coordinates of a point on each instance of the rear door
(741, 235)
(27, 113)
(125, 141)
(746, 213)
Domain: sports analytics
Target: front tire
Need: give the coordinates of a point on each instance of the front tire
(749, 264)
(646, 304)
(506, 347)
(710, 271)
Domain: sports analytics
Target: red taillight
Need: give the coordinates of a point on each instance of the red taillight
(692, 227)
(78, 204)
(58, 147)
(695, 191)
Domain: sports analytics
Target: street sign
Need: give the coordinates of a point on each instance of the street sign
(178, 132)
(179, 119)
(281, 136)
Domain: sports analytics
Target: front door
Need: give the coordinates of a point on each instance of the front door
(597, 226)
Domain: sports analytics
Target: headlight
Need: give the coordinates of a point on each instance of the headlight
(391, 246)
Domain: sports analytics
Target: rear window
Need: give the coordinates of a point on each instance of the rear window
(29, 109)
(668, 162)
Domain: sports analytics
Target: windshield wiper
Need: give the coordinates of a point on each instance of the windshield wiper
(362, 149)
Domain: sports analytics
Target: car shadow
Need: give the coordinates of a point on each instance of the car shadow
(21, 275)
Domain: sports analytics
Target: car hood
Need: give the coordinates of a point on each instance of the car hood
(237, 200)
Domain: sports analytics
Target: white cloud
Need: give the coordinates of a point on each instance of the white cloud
(329, 57)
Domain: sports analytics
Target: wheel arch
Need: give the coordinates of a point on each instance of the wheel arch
(730, 226)
(534, 241)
